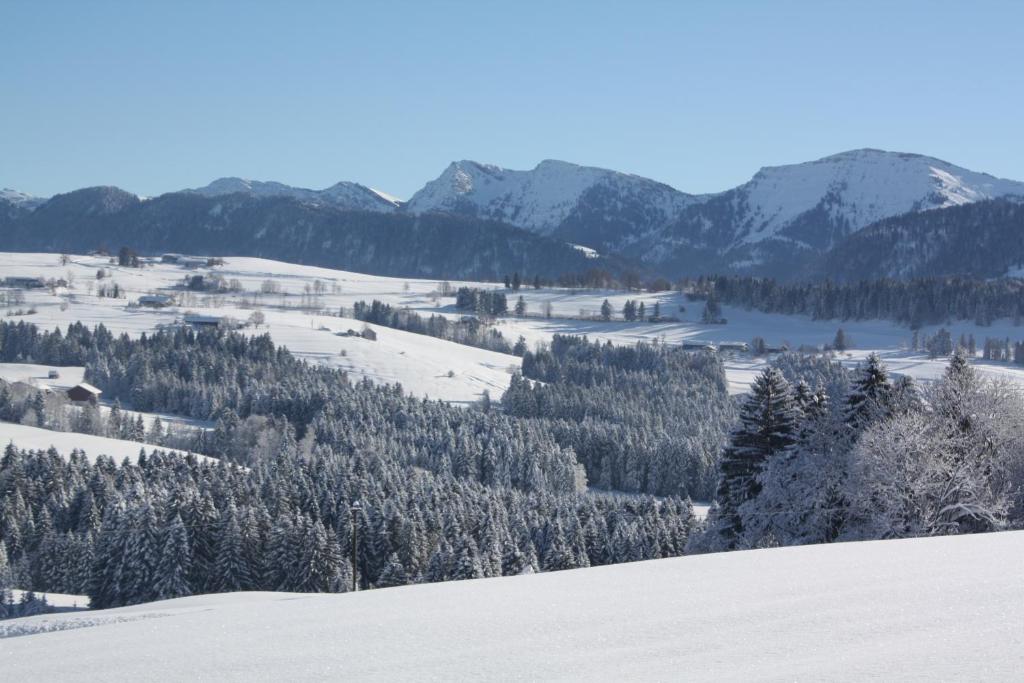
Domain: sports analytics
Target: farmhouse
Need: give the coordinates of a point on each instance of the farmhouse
(698, 346)
(84, 393)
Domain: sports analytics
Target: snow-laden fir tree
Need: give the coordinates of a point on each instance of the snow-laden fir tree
(173, 566)
(870, 396)
(768, 429)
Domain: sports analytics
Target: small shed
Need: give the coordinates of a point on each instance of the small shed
(25, 282)
(369, 334)
(197, 320)
(155, 300)
(84, 393)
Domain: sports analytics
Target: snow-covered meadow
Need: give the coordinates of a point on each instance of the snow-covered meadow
(431, 367)
(854, 611)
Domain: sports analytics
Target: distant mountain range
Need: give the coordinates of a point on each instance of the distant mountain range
(821, 218)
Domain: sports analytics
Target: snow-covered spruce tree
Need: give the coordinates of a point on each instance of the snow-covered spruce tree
(870, 396)
(5, 583)
(394, 573)
(231, 571)
(768, 429)
(173, 566)
(802, 491)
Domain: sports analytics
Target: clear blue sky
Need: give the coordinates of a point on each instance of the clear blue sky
(154, 97)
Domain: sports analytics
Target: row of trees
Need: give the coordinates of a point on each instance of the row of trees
(483, 302)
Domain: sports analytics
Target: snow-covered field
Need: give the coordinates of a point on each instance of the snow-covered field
(422, 364)
(34, 438)
(853, 611)
(38, 375)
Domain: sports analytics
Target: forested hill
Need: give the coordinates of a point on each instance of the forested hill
(984, 239)
(284, 228)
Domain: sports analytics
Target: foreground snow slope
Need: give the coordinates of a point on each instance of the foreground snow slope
(924, 609)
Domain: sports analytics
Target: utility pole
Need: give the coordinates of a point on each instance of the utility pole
(355, 509)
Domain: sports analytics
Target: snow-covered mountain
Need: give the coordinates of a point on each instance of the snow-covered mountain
(782, 222)
(20, 199)
(343, 195)
(782, 215)
(857, 188)
(591, 206)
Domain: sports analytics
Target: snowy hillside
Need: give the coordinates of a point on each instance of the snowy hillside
(853, 611)
(307, 325)
(20, 199)
(343, 195)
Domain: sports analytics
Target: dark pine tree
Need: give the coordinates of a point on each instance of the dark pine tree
(769, 426)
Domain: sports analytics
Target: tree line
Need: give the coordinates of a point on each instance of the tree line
(917, 302)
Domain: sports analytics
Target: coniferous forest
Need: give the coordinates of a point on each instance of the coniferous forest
(591, 457)
(443, 492)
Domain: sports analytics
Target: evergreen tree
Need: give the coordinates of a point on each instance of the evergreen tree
(769, 422)
(870, 396)
(173, 565)
(394, 573)
(840, 343)
(712, 313)
(231, 571)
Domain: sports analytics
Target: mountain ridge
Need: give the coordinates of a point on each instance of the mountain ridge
(779, 223)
